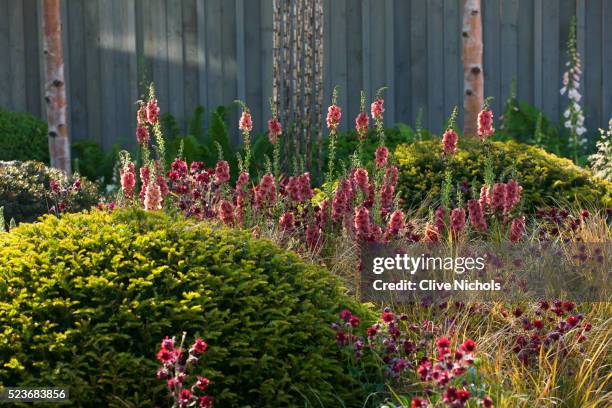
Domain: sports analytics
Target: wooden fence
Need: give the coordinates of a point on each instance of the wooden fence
(211, 52)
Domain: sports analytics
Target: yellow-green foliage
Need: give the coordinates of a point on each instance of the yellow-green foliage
(85, 301)
(546, 179)
(24, 190)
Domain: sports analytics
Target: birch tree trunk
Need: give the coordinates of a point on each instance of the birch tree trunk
(473, 76)
(55, 91)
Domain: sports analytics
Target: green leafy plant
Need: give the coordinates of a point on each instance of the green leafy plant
(91, 161)
(23, 137)
(25, 190)
(87, 297)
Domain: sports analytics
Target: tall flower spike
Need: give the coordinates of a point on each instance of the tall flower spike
(485, 122)
(450, 137)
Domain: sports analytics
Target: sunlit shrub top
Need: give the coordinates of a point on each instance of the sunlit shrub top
(546, 179)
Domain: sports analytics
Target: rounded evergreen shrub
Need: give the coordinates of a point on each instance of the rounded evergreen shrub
(25, 193)
(546, 179)
(86, 299)
(23, 137)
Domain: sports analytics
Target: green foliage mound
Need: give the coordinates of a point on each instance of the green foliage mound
(546, 179)
(24, 190)
(23, 137)
(85, 301)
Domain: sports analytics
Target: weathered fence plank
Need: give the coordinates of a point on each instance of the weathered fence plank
(211, 52)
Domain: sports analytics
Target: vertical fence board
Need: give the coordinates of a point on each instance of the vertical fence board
(453, 68)
(418, 58)
(265, 53)
(550, 59)
(92, 71)
(354, 55)
(75, 27)
(389, 49)
(402, 67)
(593, 64)
(435, 65)
(338, 61)
(107, 72)
(509, 48)
(5, 69)
(32, 68)
(176, 90)
(16, 55)
(491, 31)
(606, 64)
(252, 67)
(525, 57)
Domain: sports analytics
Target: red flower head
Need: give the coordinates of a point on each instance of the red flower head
(418, 403)
(226, 212)
(485, 124)
(184, 396)
(381, 155)
(387, 316)
(377, 108)
(245, 124)
(242, 182)
(396, 222)
(199, 346)
(485, 197)
(167, 343)
(457, 220)
(354, 321)
(286, 222)
(362, 221)
(468, 346)
(362, 122)
(165, 356)
(477, 218)
(202, 383)
(498, 197)
(266, 191)
(153, 197)
(390, 177)
(334, 113)
(222, 172)
(274, 130)
(517, 229)
(152, 111)
(440, 219)
(206, 401)
(128, 180)
(449, 142)
(432, 236)
(443, 343)
(386, 196)
(345, 315)
(512, 195)
(312, 236)
(360, 176)
(142, 135)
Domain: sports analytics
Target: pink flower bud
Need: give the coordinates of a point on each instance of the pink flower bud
(485, 124)
(377, 108)
(222, 172)
(274, 130)
(517, 229)
(334, 113)
(457, 220)
(362, 221)
(226, 212)
(245, 124)
(381, 156)
(153, 197)
(449, 142)
(362, 122)
(477, 218)
(360, 176)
